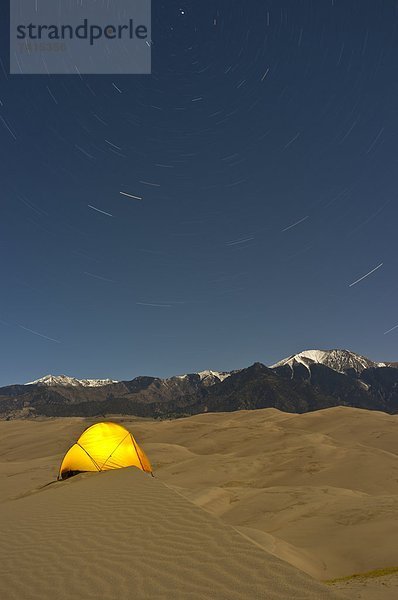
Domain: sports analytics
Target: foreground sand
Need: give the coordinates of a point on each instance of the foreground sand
(121, 535)
(319, 491)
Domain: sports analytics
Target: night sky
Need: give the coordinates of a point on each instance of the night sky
(264, 147)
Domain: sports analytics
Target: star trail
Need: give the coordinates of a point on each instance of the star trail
(250, 180)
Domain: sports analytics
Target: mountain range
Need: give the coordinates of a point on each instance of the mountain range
(308, 381)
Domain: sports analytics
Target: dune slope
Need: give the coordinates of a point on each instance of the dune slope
(121, 535)
(318, 489)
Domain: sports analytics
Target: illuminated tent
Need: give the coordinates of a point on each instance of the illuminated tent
(102, 447)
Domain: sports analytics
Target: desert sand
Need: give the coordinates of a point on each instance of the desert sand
(369, 588)
(243, 505)
(319, 489)
(121, 534)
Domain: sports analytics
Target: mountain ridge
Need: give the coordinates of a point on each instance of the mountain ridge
(337, 359)
(304, 382)
(70, 381)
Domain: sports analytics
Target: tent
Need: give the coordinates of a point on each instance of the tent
(102, 447)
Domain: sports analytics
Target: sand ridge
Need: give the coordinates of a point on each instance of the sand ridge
(122, 534)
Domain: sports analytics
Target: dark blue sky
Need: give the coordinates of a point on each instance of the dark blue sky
(258, 115)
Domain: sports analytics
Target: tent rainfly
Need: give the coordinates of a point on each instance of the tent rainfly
(102, 447)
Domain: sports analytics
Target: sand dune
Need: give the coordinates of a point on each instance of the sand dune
(323, 485)
(319, 491)
(121, 535)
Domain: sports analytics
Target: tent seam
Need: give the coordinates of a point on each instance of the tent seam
(136, 451)
(95, 464)
(114, 450)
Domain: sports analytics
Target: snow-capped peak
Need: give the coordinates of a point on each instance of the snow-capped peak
(338, 360)
(208, 377)
(70, 381)
(213, 375)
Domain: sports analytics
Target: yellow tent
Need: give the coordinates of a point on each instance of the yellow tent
(102, 447)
